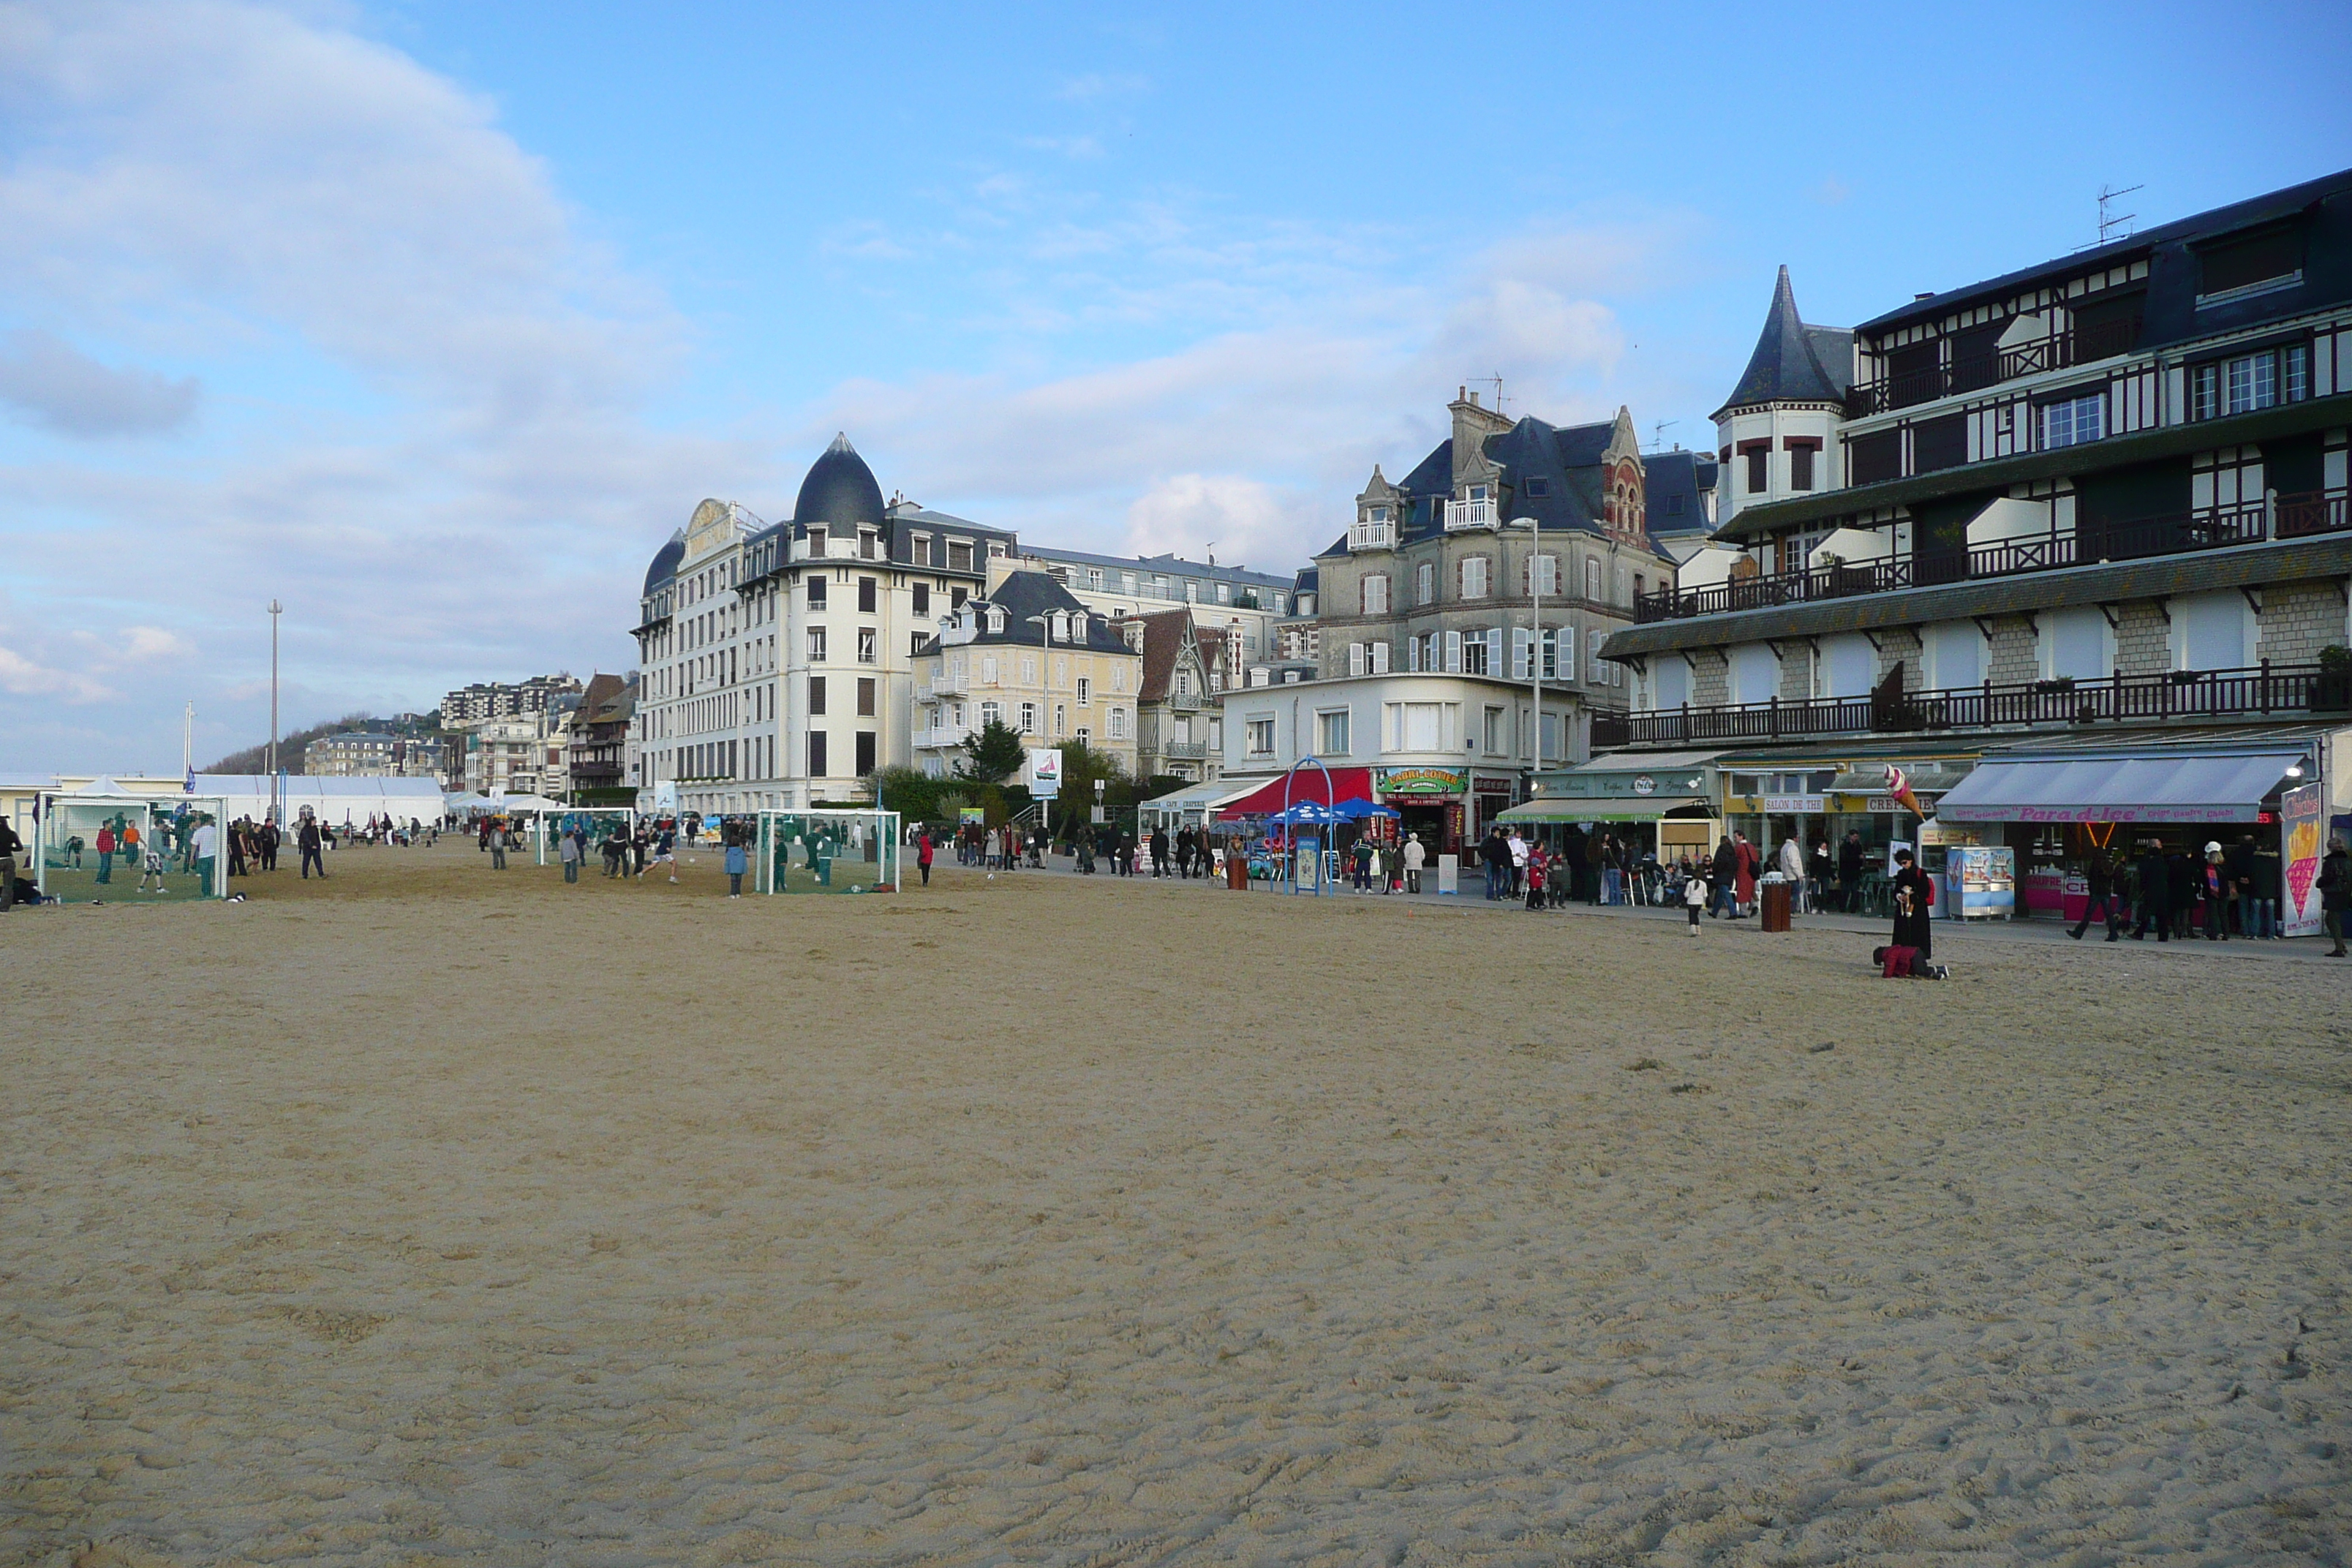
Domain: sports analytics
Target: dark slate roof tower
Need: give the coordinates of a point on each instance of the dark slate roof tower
(840, 490)
(1787, 365)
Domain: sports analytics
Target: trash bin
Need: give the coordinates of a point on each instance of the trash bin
(1236, 870)
(1776, 898)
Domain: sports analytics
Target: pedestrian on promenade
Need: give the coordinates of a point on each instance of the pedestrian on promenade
(1915, 906)
(1416, 855)
(1722, 879)
(1159, 851)
(1493, 856)
(1746, 863)
(923, 854)
(567, 850)
(1538, 866)
(2155, 893)
(2099, 873)
(2335, 894)
(2214, 894)
(1793, 870)
(738, 862)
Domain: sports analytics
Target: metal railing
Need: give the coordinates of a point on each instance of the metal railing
(1469, 514)
(1973, 373)
(2265, 689)
(2175, 534)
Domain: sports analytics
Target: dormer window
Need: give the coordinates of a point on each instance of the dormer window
(995, 620)
(1538, 486)
(1079, 627)
(1373, 530)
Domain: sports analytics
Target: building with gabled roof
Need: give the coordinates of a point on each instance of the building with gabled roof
(1030, 656)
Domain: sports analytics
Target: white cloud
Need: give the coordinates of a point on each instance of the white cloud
(1096, 85)
(448, 472)
(50, 382)
(23, 677)
(1238, 518)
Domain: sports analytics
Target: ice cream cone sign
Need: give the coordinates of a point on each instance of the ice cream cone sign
(1900, 788)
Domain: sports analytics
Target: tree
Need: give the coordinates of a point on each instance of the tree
(1081, 767)
(993, 755)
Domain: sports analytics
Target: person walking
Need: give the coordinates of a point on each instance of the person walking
(1694, 896)
(1849, 872)
(2214, 890)
(1915, 906)
(1722, 879)
(1416, 855)
(2335, 894)
(2155, 893)
(1792, 871)
(2099, 874)
(106, 847)
(306, 840)
(206, 844)
(2238, 863)
(1159, 851)
(498, 847)
(1538, 865)
(567, 850)
(1745, 863)
(1821, 875)
(923, 854)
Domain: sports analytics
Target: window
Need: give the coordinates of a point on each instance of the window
(1260, 735)
(1474, 577)
(1490, 733)
(2210, 631)
(922, 598)
(1372, 529)
(1759, 455)
(1376, 595)
(1085, 691)
(1938, 444)
(1380, 658)
(1331, 733)
(866, 752)
(816, 543)
(816, 753)
(1473, 655)
(1028, 718)
(816, 694)
(1543, 576)
(1874, 459)
(1118, 678)
(991, 713)
(2075, 644)
(1538, 485)
(2071, 421)
(865, 545)
(866, 689)
(869, 646)
(815, 590)
(1061, 720)
(1592, 578)
(1028, 670)
(956, 597)
(2250, 382)
(1355, 659)
(959, 555)
(865, 593)
(1454, 653)
(1095, 579)
(996, 619)
(1224, 592)
(1800, 460)
(919, 551)
(1522, 647)
(1424, 583)
(1118, 723)
(2250, 264)
(1184, 682)
(817, 645)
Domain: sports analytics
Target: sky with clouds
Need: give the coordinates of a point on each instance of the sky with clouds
(433, 320)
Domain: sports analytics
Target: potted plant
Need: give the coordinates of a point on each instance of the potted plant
(2332, 692)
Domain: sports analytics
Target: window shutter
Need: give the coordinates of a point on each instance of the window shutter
(1355, 659)
(1412, 654)
(1494, 650)
(1568, 653)
(1520, 644)
(1454, 653)
(1592, 641)
(1380, 658)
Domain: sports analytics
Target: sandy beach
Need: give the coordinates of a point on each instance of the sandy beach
(433, 1216)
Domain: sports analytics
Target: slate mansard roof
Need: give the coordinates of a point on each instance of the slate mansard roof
(1550, 472)
(1025, 594)
(840, 490)
(1793, 362)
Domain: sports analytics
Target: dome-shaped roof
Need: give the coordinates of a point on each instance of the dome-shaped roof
(839, 491)
(665, 562)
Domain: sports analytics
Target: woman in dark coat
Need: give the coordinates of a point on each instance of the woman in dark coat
(1914, 904)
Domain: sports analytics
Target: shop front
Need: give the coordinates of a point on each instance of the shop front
(1658, 802)
(1432, 804)
(1829, 797)
(2260, 798)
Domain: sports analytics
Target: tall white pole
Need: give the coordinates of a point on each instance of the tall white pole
(188, 742)
(1534, 649)
(276, 805)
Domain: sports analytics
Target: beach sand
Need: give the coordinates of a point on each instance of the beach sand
(431, 1216)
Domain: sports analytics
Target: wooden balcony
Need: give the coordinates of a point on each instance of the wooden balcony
(1977, 372)
(2178, 533)
(2266, 690)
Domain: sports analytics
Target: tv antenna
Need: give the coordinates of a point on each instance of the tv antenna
(1495, 381)
(1658, 434)
(2110, 221)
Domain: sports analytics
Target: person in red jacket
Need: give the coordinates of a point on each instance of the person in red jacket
(1744, 872)
(923, 854)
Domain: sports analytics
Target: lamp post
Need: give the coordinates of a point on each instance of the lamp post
(276, 807)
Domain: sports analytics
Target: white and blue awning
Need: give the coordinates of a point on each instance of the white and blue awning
(2155, 787)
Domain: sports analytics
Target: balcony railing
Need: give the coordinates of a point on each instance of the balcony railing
(1973, 373)
(2177, 534)
(2266, 689)
(1460, 514)
(1186, 749)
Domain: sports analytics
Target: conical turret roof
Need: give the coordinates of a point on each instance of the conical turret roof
(839, 489)
(1784, 367)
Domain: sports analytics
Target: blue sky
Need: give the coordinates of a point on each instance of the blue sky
(434, 320)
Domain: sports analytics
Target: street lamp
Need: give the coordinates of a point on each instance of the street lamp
(276, 807)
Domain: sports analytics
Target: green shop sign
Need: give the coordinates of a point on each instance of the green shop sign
(1421, 781)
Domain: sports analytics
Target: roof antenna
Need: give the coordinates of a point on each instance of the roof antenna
(1213, 553)
(2108, 222)
(1658, 434)
(1495, 381)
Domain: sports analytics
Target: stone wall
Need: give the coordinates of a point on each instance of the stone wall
(2014, 655)
(1901, 643)
(2298, 619)
(2143, 633)
(1796, 671)
(1710, 677)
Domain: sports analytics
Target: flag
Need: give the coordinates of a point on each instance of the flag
(190, 787)
(1900, 788)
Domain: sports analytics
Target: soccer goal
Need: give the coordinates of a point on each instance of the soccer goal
(599, 823)
(92, 847)
(843, 851)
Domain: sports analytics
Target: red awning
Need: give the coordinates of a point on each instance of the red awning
(1307, 783)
